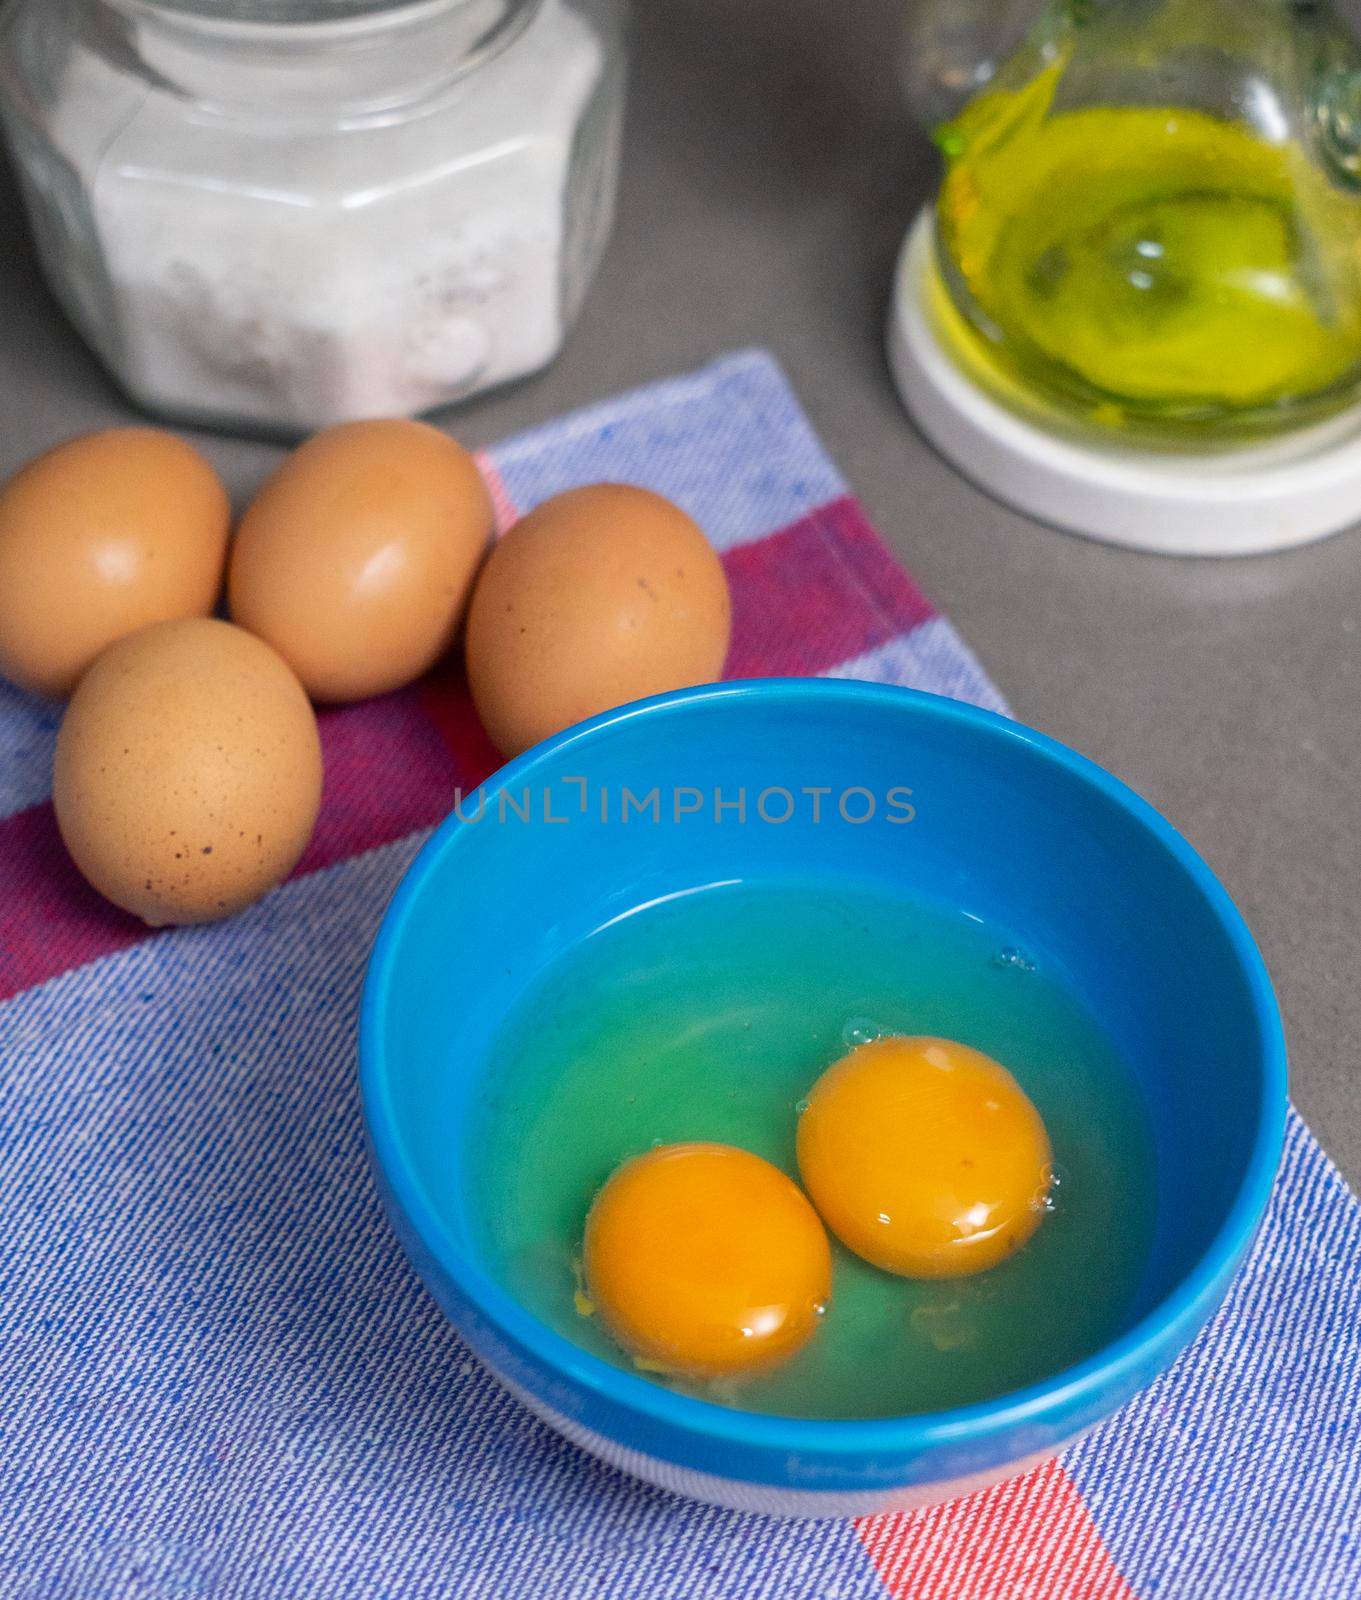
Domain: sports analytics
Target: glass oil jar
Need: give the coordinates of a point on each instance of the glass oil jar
(1150, 219)
(279, 214)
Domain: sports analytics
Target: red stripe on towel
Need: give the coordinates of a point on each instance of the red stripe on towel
(1029, 1538)
(815, 594)
(388, 773)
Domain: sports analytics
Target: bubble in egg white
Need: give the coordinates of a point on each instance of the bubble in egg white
(861, 1030)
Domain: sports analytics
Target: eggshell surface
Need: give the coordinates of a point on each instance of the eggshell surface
(188, 772)
(600, 596)
(356, 558)
(99, 537)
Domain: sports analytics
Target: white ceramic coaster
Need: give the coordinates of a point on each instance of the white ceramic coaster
(1230, 501)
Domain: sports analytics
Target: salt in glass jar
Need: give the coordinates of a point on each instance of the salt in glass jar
(281, 214)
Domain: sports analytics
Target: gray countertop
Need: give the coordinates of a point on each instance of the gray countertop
(769, 174)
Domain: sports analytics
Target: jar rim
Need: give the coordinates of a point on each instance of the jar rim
(278, 18)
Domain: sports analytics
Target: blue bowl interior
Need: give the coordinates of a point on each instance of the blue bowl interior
(1008, 826)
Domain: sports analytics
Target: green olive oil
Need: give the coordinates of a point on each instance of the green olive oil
(1149, 265)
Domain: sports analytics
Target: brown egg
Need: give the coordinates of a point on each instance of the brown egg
(99, 537)
(356, 558)
(600, 596)
(188, 772)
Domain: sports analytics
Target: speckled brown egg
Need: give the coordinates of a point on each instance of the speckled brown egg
(188, 772)
(600, 596)
(98, 538)
(356, 558)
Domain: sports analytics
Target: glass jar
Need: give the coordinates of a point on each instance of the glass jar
(1150, 220)
(281, 214)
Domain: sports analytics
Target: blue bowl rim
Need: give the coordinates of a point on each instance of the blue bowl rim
(1115, 1368)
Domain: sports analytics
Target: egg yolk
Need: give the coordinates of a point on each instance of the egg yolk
(706, 1260)
(925, 1157)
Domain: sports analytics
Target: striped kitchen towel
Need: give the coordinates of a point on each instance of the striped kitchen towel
(219, 1376)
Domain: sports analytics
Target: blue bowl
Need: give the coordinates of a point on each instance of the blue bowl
(1007, 824)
